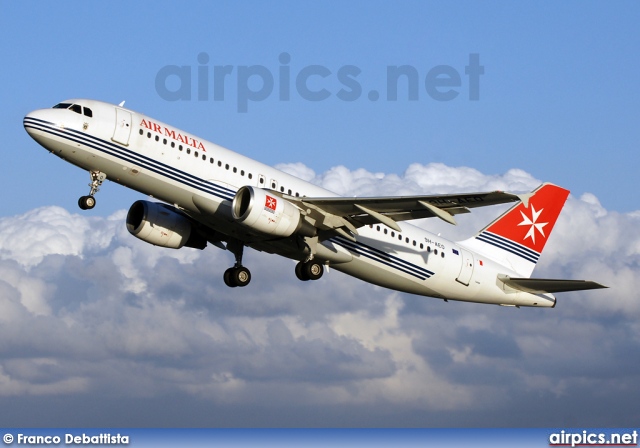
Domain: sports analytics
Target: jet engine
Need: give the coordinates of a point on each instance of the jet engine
(162, 225)
(265, 213)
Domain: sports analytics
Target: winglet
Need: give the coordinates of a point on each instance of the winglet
(524, 198)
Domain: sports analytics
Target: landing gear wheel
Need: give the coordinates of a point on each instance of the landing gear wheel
(313, 270)
(241, 276)
(228, 278)
(237, 276)
(87, 202)
(309, 270)
(300, 272)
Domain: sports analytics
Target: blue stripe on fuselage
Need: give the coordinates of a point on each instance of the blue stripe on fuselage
(131, 157)
(383, 257)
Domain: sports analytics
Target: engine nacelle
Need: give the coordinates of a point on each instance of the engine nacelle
(267, 214)
(162, 225)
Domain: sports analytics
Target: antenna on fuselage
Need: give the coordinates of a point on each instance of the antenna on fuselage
(121, 104)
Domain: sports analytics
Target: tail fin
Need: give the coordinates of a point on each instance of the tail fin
(516, 239)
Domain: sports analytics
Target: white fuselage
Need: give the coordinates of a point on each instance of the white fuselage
(201, 178)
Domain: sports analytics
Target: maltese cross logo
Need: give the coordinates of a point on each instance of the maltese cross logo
(526, 221)
(270, 203)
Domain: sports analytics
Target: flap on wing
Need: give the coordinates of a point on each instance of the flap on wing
(388, 209)
(542, 285)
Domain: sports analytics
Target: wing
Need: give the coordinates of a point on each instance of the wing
(338, 213)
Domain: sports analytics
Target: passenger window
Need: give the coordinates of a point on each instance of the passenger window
(204, 157)
(188, 150)
(195, 153)
(141, 132)
(235, 170)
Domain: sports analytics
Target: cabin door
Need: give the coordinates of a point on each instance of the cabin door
(466, 268)
(123, 127)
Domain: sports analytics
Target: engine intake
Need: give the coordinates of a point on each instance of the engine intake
(162, 225)
(265, 213)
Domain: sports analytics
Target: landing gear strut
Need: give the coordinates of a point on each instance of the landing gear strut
(238, 275)
(309, 270)
(88, 202)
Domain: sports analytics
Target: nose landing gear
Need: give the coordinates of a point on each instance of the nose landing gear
(88, 202)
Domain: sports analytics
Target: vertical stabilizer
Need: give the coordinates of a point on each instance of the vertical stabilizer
(516, 239)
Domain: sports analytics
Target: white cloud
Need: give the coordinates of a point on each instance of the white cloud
(110, 313)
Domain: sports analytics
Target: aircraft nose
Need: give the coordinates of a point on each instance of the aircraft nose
(35, 120)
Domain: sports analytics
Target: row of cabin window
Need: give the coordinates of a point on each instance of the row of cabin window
(407, 240)
(204, 157)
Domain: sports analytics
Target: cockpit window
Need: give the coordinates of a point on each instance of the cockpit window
(76, 108)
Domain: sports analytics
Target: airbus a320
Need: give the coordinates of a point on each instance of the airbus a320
(211, 195)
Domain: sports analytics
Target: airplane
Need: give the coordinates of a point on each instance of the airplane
(212, 195)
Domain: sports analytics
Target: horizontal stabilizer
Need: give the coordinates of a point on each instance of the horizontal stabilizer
(544, 285)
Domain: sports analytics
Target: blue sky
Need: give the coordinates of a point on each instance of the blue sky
(557, 98)
(98, 328)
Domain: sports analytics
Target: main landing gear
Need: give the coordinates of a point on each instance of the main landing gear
(309, 270)
(88, 202)
(238, 275)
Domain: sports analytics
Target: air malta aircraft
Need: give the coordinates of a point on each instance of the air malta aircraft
(211, 195)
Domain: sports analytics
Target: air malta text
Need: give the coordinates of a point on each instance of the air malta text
(178, 137)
